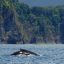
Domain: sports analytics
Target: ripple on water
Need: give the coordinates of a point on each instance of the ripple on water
(49, 54)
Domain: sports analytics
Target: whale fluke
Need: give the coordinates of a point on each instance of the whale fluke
(24, 52)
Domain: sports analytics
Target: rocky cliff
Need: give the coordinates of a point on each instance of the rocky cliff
(21, 24)
(9, 32)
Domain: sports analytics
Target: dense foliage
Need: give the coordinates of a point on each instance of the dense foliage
(20, 23)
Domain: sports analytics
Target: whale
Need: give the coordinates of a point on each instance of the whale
(24, 52)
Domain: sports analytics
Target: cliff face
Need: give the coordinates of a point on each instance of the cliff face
(21, 24)
(9, 32)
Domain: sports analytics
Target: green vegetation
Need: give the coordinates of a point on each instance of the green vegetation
(21, 24)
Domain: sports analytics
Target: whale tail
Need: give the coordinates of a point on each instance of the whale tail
(24, 52)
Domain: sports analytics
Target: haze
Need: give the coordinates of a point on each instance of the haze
(43, 2)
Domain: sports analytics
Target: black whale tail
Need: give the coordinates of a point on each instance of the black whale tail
(24, 52)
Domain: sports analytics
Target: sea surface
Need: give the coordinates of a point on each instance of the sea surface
(49, 54)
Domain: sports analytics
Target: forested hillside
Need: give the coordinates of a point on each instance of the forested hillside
(22, 24)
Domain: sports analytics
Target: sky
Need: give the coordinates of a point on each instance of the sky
(43, 2)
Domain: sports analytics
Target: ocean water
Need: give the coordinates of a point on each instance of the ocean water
(49, 54)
